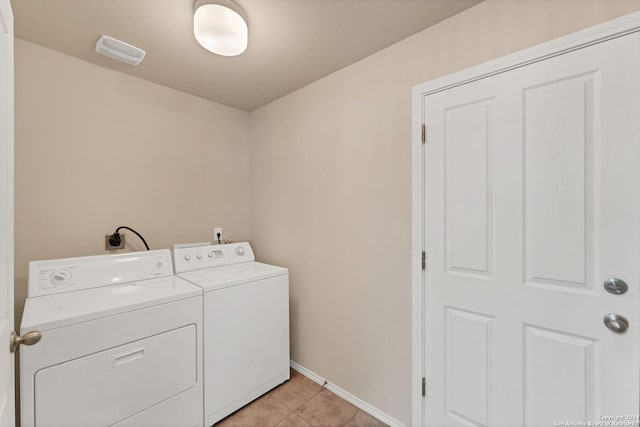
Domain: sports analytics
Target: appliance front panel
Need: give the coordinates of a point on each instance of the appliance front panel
(107, 387)
(61, 345)
(246, 343)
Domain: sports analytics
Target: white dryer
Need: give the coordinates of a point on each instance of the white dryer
(121, 343)
(246, 324)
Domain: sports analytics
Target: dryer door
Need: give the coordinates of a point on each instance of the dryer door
(104, 388)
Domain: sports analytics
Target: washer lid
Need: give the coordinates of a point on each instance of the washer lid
(223, 277)
(57, 310)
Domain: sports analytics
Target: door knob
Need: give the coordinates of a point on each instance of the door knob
(616, 323)
(30, 338)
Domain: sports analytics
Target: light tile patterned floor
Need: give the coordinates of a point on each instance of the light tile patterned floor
(300, 402)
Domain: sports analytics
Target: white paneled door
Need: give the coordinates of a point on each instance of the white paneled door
(7, 417)
(531, 202)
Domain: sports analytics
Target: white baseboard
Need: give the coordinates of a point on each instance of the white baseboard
(366, 407)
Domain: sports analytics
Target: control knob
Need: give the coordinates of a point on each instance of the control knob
(187, 257)
(60, 277)
(199, 256)
(240, 251)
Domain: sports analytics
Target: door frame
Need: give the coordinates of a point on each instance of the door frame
(8, 411)
(583, 38)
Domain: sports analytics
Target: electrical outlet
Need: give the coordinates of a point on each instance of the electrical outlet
(217, 231)
(109, 247)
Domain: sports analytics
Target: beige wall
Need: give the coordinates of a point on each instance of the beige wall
(331, 189)
(95, 149)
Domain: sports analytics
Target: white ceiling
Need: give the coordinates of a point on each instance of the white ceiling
(291, 42)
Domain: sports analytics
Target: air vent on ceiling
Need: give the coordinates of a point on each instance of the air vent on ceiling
(116, 49)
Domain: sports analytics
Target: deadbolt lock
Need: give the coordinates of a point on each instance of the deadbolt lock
(615, 286)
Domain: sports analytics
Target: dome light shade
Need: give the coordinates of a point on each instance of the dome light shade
(220, 27)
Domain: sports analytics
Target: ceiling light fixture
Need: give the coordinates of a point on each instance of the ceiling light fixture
(220, 26)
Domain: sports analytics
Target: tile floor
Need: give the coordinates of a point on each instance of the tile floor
(300, 402)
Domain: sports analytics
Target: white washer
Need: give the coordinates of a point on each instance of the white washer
(121, 343)
(246, 324)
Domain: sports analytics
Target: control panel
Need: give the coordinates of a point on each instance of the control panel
(211, 256)
(74, 274)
